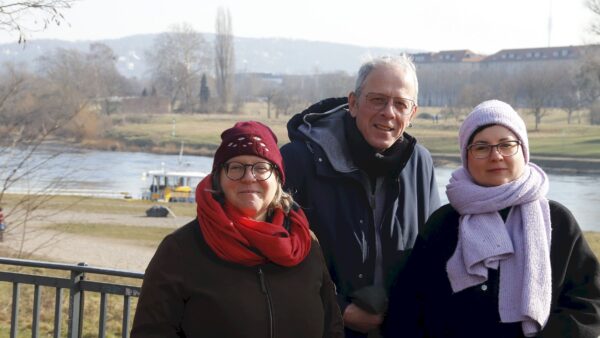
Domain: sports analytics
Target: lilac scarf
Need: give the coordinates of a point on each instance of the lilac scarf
(520, 248)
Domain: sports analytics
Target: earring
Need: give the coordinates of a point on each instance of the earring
(410, 124)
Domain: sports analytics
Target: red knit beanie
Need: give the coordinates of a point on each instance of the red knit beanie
(249, 138)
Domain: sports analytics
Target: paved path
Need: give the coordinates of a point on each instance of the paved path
(70, 248)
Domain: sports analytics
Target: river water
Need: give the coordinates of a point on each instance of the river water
(115, 174)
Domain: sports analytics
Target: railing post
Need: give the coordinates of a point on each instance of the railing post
(58, 312)
(14, 318)
(37, 300)
(76, 301)
(126, 316)
(102, 320)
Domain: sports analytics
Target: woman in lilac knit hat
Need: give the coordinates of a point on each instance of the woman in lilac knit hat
(500, 260)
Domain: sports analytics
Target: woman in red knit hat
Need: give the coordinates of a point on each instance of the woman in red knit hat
(247, 266)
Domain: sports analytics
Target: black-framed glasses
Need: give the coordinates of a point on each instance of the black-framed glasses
(483, 150)
(261, 171)
(377, 102)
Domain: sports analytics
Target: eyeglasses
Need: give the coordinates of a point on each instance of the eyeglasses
(483, 150)
(377, 102)
(261, 171)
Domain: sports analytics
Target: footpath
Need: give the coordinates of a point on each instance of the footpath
(125, 253)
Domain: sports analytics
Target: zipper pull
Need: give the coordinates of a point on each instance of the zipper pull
(261, 278)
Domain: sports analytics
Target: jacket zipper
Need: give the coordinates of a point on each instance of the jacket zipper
(265, 290)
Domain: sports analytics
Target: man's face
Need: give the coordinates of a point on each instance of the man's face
(382, 124)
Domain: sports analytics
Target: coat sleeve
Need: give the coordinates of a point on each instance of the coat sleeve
(575, 311)
(299, 170)
(161, 303)
(334, 325)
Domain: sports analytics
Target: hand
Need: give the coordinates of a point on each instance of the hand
(360, 320)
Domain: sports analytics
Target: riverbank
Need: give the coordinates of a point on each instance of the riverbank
(554, 164)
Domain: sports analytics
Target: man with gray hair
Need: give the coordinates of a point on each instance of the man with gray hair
(366, 186)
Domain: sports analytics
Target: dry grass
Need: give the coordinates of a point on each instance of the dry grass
(102, 205)
(593, 239)
(150, 236)
(202, 131)
(46, 324)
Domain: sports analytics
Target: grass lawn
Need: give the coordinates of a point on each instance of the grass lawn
(102, 205)
(201, 132)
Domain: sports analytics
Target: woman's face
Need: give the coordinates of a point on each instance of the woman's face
(496, 169)
(250, 196)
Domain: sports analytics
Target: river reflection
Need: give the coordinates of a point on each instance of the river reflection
(114, 174)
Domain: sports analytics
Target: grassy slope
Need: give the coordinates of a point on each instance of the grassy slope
(554, 138)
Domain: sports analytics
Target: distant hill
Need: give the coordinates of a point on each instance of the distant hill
(264, 55)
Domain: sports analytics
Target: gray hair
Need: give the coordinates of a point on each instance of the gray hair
(402, 61)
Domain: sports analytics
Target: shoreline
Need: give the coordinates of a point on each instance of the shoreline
(552, 164)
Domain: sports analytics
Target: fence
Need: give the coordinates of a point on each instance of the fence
(77, 285)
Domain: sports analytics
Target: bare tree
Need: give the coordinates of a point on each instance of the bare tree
(104, 77)
(176, 60)
(25, 17)
(588, 82)
(537, 87)
(594, 6)
(224, 56)
(32, 110)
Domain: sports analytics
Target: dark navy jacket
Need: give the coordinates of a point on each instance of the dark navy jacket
(330, 188)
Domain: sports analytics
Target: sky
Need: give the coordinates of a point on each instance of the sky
(484, 26)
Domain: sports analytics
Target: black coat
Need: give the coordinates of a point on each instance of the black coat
(189, 292)
(422, 303)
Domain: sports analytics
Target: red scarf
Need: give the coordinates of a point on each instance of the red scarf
(239, 239)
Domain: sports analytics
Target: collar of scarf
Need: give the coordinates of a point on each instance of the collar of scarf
(242, 240)
(520, 247)
(375, 164)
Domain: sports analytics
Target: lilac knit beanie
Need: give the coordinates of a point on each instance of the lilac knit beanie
(493, 112)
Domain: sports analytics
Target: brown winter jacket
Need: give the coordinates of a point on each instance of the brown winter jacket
(189, 292)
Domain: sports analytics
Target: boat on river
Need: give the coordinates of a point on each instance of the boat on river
(172, 186)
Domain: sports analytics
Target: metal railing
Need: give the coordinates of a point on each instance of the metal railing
(77, 286)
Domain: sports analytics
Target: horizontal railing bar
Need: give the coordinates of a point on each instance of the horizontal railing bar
(77, 286)
(72, 267)
(114, 289)
(33, 279)
(85, 285)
